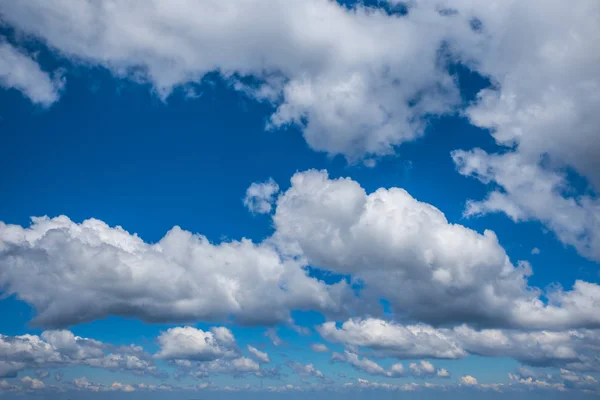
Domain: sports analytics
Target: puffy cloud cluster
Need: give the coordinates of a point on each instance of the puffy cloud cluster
(397, 247)
(54, 349)
(574, 349)
(407, 252)
(72, 273)
(395, 340)
(358, 81)
(196, 345)
(200, 354)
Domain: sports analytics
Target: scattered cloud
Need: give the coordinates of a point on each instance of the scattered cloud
(261, 196)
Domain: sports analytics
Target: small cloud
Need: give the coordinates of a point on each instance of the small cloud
(535, 251)
(261, 196)
(468, 380)
(319, 347)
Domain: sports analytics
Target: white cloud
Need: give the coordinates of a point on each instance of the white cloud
(528, 191)
(55, 349)
(261, 196)
(411, 341)
(19, 71)
(72, 273)
(187, 343)
(364, 364)
(422, 369)
(535, 251)
(572, 349)
(319, 348)
(32, 383)
(546, 88)
(407, 252)
(358, 81)
(261, 356)
(468, 380)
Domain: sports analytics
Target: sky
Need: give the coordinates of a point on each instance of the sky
(259, 199)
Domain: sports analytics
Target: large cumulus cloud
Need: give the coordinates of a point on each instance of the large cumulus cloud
(72, 273)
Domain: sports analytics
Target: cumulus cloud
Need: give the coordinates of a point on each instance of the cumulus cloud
(72, 273)
(261, 356)
(201, 354)
(397, 247)
(468, 380)
(407, 252)
(261, 196)
(19, 71)
(187, 343)
(573, 349)
(394, 340)
(55, 349)
(358, 82)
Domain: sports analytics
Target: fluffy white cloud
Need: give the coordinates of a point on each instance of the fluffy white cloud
(358, 81)
(200, 354)
(468, 380)
(21, 72)
(73, 273)
(412, 341)
(55, 349)
(261, 356)
(187, 343)
(261, 196)
(572, 349)
(528, 191)
(545, 96)
(407, 252)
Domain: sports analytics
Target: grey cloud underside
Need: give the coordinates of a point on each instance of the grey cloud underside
(401, 249)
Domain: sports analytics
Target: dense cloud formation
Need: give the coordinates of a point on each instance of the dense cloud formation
(357, 81)
(183, 277)
(407, 252)
(353, 86)
(574, 349)
(403, 250)
(55, 349)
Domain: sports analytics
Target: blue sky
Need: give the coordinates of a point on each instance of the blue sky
(320, 125)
